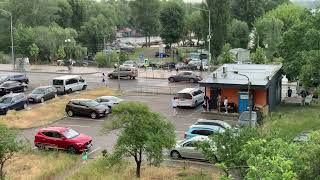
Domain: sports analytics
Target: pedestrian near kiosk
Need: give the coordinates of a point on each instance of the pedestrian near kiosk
(174, 103)
(289, 93)
(225, 103)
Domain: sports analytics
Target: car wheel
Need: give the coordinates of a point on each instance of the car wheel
(71, 150)
(196, 104)
(133, 77)
(84, 87)
(175, 155)
(171, 79)
(42, 100)
(69, 91)
(25, 106)
(93, 115)
(192, 80)
(70, 113)
(55, 95)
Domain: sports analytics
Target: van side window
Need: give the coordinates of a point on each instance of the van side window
(71, 81)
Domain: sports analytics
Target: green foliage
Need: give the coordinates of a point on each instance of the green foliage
(226, 57)
(24, 37)
(258, 57)
(238, 34)
(247, 10)
(4, 58)
(220, 15)
(195, 24)
(34, 52)
(61, 54)
(144, 132)
(101, 59)
(310, 71)
(79, 12)
(172, 21)
(270, 34)
(8, 146)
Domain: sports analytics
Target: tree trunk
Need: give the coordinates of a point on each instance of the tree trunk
(138, 174)
(146, 41)
(149, 42)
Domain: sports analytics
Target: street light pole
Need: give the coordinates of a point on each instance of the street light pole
(249, 97)
(11, 32)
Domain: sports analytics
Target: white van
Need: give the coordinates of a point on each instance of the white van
(69, 84)
(190, 97)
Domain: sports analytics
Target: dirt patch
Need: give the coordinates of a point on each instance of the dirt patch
(49, 112)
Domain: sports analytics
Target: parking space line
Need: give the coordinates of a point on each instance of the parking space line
(96, 149)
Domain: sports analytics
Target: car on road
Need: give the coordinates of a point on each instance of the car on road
(63, 138)
(188, 148)
(219, 123)
(185, 76)
(168, 65)
(86, 107)
(124, 72)
(14, 101)
(41, 94)
(109, 100)
(69, 84)
(22, 78)
(12, 87)
(190, 97)
(203, 130)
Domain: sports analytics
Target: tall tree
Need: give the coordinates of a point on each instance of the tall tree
(247, 10)
(238, 34)
(64, 13)
(172, 18)
(80, 12)
(145, 14)
(143, 133)
(220, 16)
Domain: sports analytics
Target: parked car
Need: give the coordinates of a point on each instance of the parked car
(109, 100)
(190, 97)
(12, 87)
(62, 138)
(86, 107)
(69, 84)
(22, 78)
(41, 94)
(15, 101)
(203, 130)
(219, 123)
(185, 76)
(243, 119)
(168, 65)
(130, 73)
(188, 148)
(157, 54)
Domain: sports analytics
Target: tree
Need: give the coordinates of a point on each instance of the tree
(143, 132)
(220, 15)
(80, 12)
(172, 18)
(61, 54)
(197, 25)
(8, 146)
(272, 4)
(238, 34)
(34, 52)
(310, 71)
(270, 34)
(65, 13)
(247, 10)
(226, 56)
(24, 37)
(145, 15)
(259, 57)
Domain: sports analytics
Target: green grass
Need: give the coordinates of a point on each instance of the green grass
(290, 120)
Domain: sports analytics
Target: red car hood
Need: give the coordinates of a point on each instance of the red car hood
(82, 138)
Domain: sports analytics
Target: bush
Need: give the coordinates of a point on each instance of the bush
(4, 58)
(109, 60)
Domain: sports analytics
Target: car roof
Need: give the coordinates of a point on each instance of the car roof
(66, 77)
(54, 128)
(188, 90)
(12, 95)
(80, 99)
(108, 97)
(212, 120)
(205, 127)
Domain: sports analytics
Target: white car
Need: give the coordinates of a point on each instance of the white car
(188, 148)
(110, 101)
(190, 97)
(69, 84)
(219, 123)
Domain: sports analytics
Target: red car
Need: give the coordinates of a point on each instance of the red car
(62, 138)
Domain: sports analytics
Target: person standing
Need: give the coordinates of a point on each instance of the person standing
(289, 93)
(218, 102)
(103, 79)
(174, 104)
(225, 103)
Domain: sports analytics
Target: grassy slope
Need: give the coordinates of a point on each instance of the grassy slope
(291, 120)
(97, 170)
(39, 165)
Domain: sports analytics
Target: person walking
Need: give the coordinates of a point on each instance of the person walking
(103, 79)
(289, 93)
(225, 103)
(174, 104)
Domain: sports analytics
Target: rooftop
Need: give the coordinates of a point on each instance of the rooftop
(259, 74)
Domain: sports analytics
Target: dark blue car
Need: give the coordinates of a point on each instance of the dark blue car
(22, 78)
(14, 101)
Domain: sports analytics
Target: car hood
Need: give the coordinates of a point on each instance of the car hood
(100, 107)
(2, 105)
(82, 138)
(35, 96)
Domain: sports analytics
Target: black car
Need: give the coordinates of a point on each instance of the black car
(86, 107)
(15, 101)
(12, 87)
(14, 77)
(168, 65)
(185, 76)
(42, 94)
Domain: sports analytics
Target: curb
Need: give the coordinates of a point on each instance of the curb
(50, 72)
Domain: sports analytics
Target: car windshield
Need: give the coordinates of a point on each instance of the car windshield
(57, 82)
(91, 103)
(245, 116)
(70, 133)
(5, 100)
(38, 91)
(112, 98)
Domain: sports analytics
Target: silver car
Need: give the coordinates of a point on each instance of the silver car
(219, 123)
(187, 148)
(109, 101)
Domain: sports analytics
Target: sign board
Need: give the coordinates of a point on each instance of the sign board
(244, 96)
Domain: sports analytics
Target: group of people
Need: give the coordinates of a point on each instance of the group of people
(207, 104)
